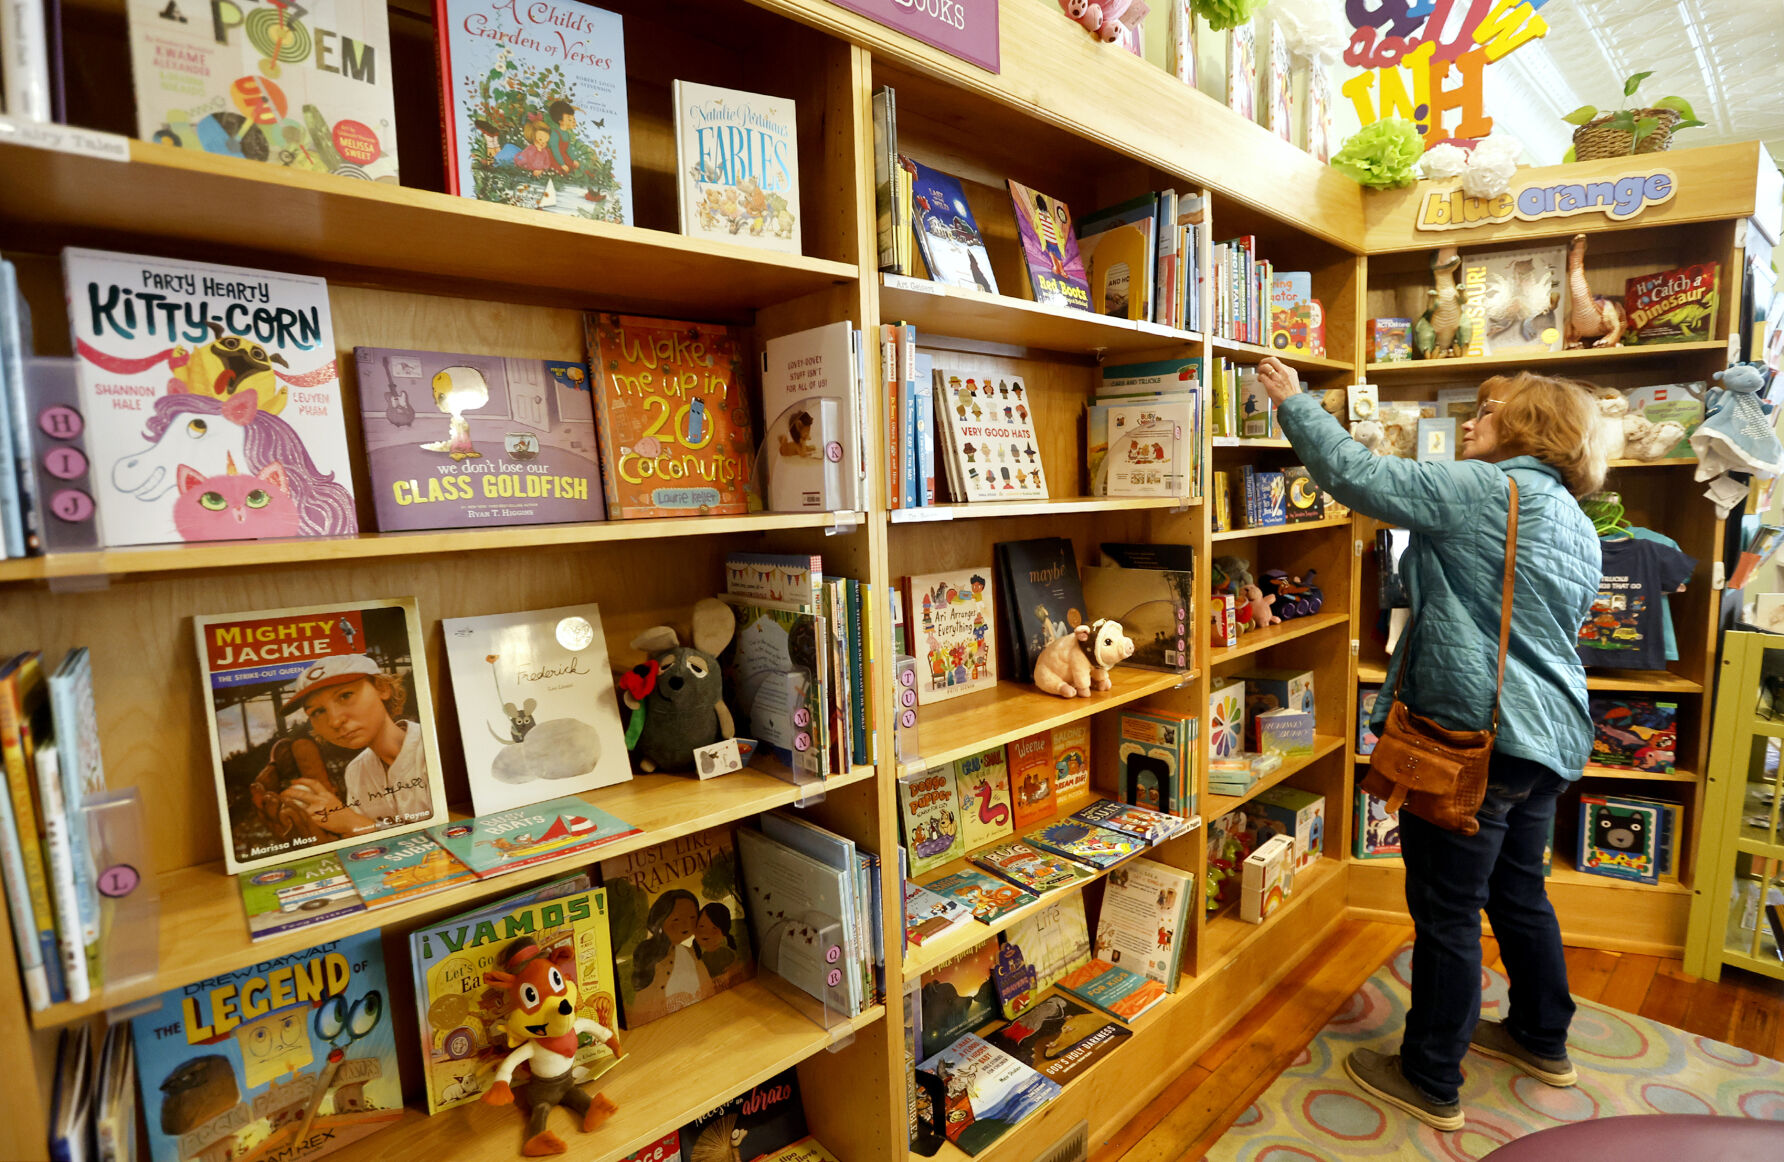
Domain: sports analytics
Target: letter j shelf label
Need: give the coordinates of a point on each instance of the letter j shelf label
(961, 28)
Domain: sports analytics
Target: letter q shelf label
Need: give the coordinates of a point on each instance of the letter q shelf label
(962, 28)
(64, 139)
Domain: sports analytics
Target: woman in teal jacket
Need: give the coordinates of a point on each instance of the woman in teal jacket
(1537, 431)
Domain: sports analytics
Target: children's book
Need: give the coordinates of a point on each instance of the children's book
(1366, 738)
(76, 717)
(777, 681)
(493, 845)
(296, 895)
(953, 618)
(988, 437)
(1633, 733)
(758, 1123)
(1660, 402)
(297, 1055)
(1145, 918)
(958, 997)
(1280, 85)
(1673, 306)
(1377, 828)
(1318, 111)
(806, 1149)
(1053, 940)
(1620, 838)
(672, 416)
(1241, 91)
(1515, 300)
(1086, 843)
(535, 101)
(679, 932)
(1226, 719)
(322, 728)
(404, 868)
(24, 717)
(1116, 991)
(1058, 1037)
(1027, 867)
(929, 913)
(475, 441)
(1150, 450)
(810, 396)
(1155, 608)
(664, 1149)
(1070, 745)
(982, 782)
(1257, 415)
(1152, 827)
(1155, 760)
(1050, 249)
(929, 817)
(536, 708)
(307, 87)
(212, 403)
(1297, 320)
(799, 917)
(1305, 501)
(1119, 247)
(948, 235)
(460, 1015)
(1031, 779)
(987, 1092)
(1041, 596)
(737, 172)
(987, 897)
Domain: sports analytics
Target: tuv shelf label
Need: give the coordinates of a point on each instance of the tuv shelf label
(962, 28)
(1618, 198)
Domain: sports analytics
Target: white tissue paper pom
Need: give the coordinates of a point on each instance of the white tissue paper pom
(1312, 28)
(1443, 161)
(1491, 166)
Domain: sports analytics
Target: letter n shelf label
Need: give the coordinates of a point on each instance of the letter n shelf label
(963, 28)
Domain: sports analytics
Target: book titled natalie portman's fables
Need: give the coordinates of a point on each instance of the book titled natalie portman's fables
(738, 177)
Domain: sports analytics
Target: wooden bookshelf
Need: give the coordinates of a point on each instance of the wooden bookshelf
(1336, 522)
(1255, 640)
(1253, 352)
(939, 310)
(986, 509)
(1580, 361)
(1216, 805)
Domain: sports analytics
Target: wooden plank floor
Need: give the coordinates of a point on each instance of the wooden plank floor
(1184, 1121)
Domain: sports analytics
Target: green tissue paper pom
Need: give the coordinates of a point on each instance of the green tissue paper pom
(1224, 14)
(1383, 155)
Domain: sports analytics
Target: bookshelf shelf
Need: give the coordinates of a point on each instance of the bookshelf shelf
(1252, 353)
(1572, 362)
(1240, 442)
(1214, 806)
(1675, 776)
(939, 309)
(1658, 680)
(1563, 871)
(1342, 522)
(1262, 639)
(1672, 462)
(981, 510)
(203, 932)
(1225, 937)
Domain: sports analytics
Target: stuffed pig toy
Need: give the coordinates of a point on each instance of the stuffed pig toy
(677, 696)
(1074, 664)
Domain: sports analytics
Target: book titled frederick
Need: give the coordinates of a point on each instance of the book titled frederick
(988, 437)
(1116, 991)
(952, 617)
(305, 87)
(1515, 300)
(322, 727)
(404, 868)
(1027, 867)
(953, 249)
(758, 1123)
(1154, 827)
(536, 106)
(988, 897)
(1058, 1037)
(810, 395)
(1144, 922)
(672, 416)
(472, 441)
(297, 1055)
(929, 816)
(1050, 249)
(738, 166)
(212, 403)
(494, 845)
(536, 709)
(1042, 598)
(461, 1016)
(987, 1092)
(1673, 306)
(296, 895)
(679, 932)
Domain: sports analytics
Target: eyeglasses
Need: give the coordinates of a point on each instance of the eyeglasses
(1487, 409)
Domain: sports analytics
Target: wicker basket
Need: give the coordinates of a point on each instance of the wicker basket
(1596, 139)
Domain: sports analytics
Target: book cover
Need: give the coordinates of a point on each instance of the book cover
(777, 680)
(929, 913)
(1151, 827)
(737, 176)
(1031, 779)
(296, 895)
(1257, 415)
(1054, 940)
(1070, 745)
(1155, 608)
(404, 868)
(1633, 733)
(1297, 321)
(1241, 78)
(211, 399)
(1377, 828)
(1058, 1037)
(1304, 500)
(536, 708)
(1515, 300)
(462, 1044)
(1319, 111)
(809, 395)
(1050, 249)
(475, 441)
(297, 1056)
(1119, 249)
(986, 897)
(1279, 86)
(988, 433)
(799, 917)
(672, 417)
(1286, 732)
(1154, 760)
(953, 249)
(1437, 439)
(1366, 738)
(1681, 403)
(1619, 838)
(493, 845)
(1149, 448)
(664, 1149)
(1085, 842)
(758, 1123)
(322, 727)
(1390, 341)
(1116, 991)
(1027, 867)
(1042, 597)
(535, 111)
(76, 716)
(308, 87)
(982, 782)
(1673, 306)
(1145, 920)
(679, 932)
(958, 997)
(953, 616)
(929, 817)
(24, 716)
(986, 1092)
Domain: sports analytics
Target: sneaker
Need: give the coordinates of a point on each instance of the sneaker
(1495, 1040)
(1379, 1075)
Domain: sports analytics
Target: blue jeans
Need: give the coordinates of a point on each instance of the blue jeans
(1450, 878)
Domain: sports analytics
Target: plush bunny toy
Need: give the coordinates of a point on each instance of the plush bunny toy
(1074, 664)
(677, 696)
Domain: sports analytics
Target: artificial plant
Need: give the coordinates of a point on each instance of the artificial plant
(1626, 119)
(1382, 155)
(1224, 14)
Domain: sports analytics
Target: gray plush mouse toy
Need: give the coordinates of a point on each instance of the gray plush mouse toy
(677, 696)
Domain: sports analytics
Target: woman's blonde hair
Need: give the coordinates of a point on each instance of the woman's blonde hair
(1550, 419)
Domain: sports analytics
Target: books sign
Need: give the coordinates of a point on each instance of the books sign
(963, 28)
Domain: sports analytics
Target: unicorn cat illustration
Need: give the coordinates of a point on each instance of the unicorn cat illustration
(233, 506)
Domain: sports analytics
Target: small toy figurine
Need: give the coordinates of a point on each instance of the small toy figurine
(1294, 596)
(677, 698)
(543, 1028)
(1441, 331)
(1074, 664)
(1592, 320)
(1254, 607)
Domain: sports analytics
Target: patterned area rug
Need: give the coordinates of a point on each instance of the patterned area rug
(1627, 1065)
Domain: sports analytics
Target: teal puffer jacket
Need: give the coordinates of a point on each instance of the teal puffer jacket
(1454, 570)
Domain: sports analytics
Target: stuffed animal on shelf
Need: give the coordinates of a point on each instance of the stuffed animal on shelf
(1254, 607)
(677, 696)
(1736, 435)
(1373, 436)
(1441, 332)
(1608, 433)
(1293, 596)
(1103, 19)
(1643, 439)
(1074, 664)
(1592, 320)
(544, 1029)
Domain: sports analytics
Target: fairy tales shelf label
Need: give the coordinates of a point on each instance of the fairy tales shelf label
(1619, 199)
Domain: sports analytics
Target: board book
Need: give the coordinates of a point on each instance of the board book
(1058, 1037)
(296, 895)
(404, 868)
(737, 175)
(947, 233)
(987, 1092)
(493, 845)
(1050, 249)
(953, 618)
(476, 441)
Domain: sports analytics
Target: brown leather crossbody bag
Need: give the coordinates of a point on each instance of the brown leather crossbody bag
(1438, 774)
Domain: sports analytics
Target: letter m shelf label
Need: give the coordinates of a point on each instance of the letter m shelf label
(962, 28)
